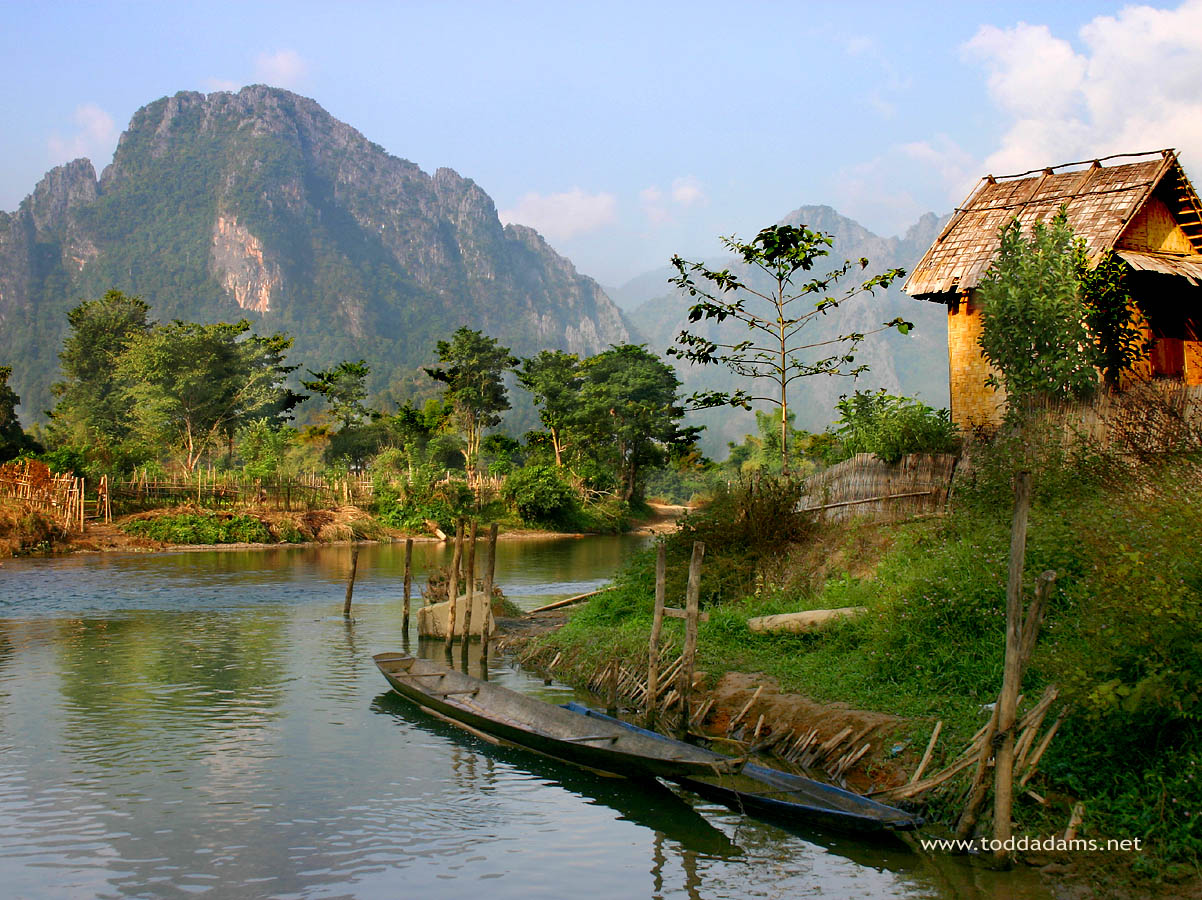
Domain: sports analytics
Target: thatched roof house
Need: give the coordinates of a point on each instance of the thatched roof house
(1142, 206)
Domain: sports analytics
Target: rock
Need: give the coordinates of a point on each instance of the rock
(432, 620)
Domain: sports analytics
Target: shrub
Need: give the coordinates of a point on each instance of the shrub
(201, 528)
(540, 496)
(892, 426)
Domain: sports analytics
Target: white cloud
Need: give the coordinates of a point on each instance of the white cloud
(659, 205)
(1132, 86)
(95, 136)
(561, 216)
(283, 68)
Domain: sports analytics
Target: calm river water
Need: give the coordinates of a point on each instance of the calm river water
(206, 723)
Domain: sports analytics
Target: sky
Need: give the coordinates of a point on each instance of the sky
(627, 132)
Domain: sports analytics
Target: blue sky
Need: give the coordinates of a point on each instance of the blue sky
(629, 131)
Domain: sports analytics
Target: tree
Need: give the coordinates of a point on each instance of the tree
(1033, 317)
(190, 384)
(13, 439)
(776, 317)
(474, 366)
(554, 379)
(630, 411)
(93, 412)
(343, 388)
(1110, 317)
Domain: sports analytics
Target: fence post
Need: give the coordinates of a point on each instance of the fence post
(692, 596)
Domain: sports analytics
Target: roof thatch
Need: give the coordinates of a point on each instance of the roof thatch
(1101, 200)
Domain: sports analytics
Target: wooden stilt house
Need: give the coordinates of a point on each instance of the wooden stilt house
(1141, 206)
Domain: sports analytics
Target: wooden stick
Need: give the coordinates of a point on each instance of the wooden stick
(1003, 780)
(489, 581)
(921, 787)
(471, 585)
(735, 721)
(350, 584)
(1030, 725)
(926, 757)
(657, 624)
(453, 585)
(1043, 745)
(1074, 821)
(759, 724)
(408, 583)
(570, 600)
(692, 608)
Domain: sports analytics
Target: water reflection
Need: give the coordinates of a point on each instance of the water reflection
(209, 723)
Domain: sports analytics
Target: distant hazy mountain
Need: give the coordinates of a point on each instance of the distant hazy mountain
(261, 205)
(913, 364)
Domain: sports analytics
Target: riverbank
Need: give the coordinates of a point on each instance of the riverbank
(24, 532)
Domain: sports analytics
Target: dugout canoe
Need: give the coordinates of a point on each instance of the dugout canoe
(775, 795)
(499, 714)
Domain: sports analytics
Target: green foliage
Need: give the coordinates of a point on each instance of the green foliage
(201, 528)
(473, 370)
(554, 380)
(13, 440)
(891, 427)
(1111, 318)
(1033, 317)
(189, 385)
(540, 496)
(343, 389)
(777, 348)
(263, 448)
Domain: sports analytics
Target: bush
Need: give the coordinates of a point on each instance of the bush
(201, 528)
(892, 426)
(540, 496)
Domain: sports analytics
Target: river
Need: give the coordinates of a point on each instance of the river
(207, 723)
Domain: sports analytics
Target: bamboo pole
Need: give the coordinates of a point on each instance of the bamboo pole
(1003, 771)
(926, 757)
(350, 584)
(489, 577)
(471, 587)
(657, 624)
(692, 598)
(408, 583)
(453, 585)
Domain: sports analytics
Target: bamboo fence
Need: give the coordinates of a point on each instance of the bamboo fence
(867, 487)
(32, 484)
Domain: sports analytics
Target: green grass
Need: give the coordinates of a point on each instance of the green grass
(201, 528)
(1122, 638)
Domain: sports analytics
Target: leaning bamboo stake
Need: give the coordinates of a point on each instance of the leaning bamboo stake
(692, 610)
(1039, 751)
(657, 624)
(408, 585)
(1074, 821)
(453, 585)
(471, 587)
(742, 712)
(926, 757)
(350, 584)
(489, 579)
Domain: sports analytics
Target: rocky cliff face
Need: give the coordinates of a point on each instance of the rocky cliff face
(261, 204)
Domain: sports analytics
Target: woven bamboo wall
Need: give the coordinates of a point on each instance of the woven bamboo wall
(867, 487)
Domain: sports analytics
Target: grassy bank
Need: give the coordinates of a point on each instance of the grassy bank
(1122, 639)
(190, 525)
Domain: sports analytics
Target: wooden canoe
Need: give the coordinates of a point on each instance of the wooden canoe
(499, 714)
(776, 795)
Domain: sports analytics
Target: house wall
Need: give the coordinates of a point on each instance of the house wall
(974, 403)
(1154, 229)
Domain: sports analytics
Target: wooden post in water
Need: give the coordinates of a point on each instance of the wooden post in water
(453, 585)
(692, 611)
(611, 688)
(657, 624)
(350, 584)
(489, 576)
(471, 587)
(408, 583)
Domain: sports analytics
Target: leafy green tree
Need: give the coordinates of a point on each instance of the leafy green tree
(777, 349)
(190, 384)
(1033, 317)
(263, 446)
(540, 495)
(13, 439)
(630, 412)
(1110, 317)
(343, 388)
(554, 379)
(473, 370)
(93, 412)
